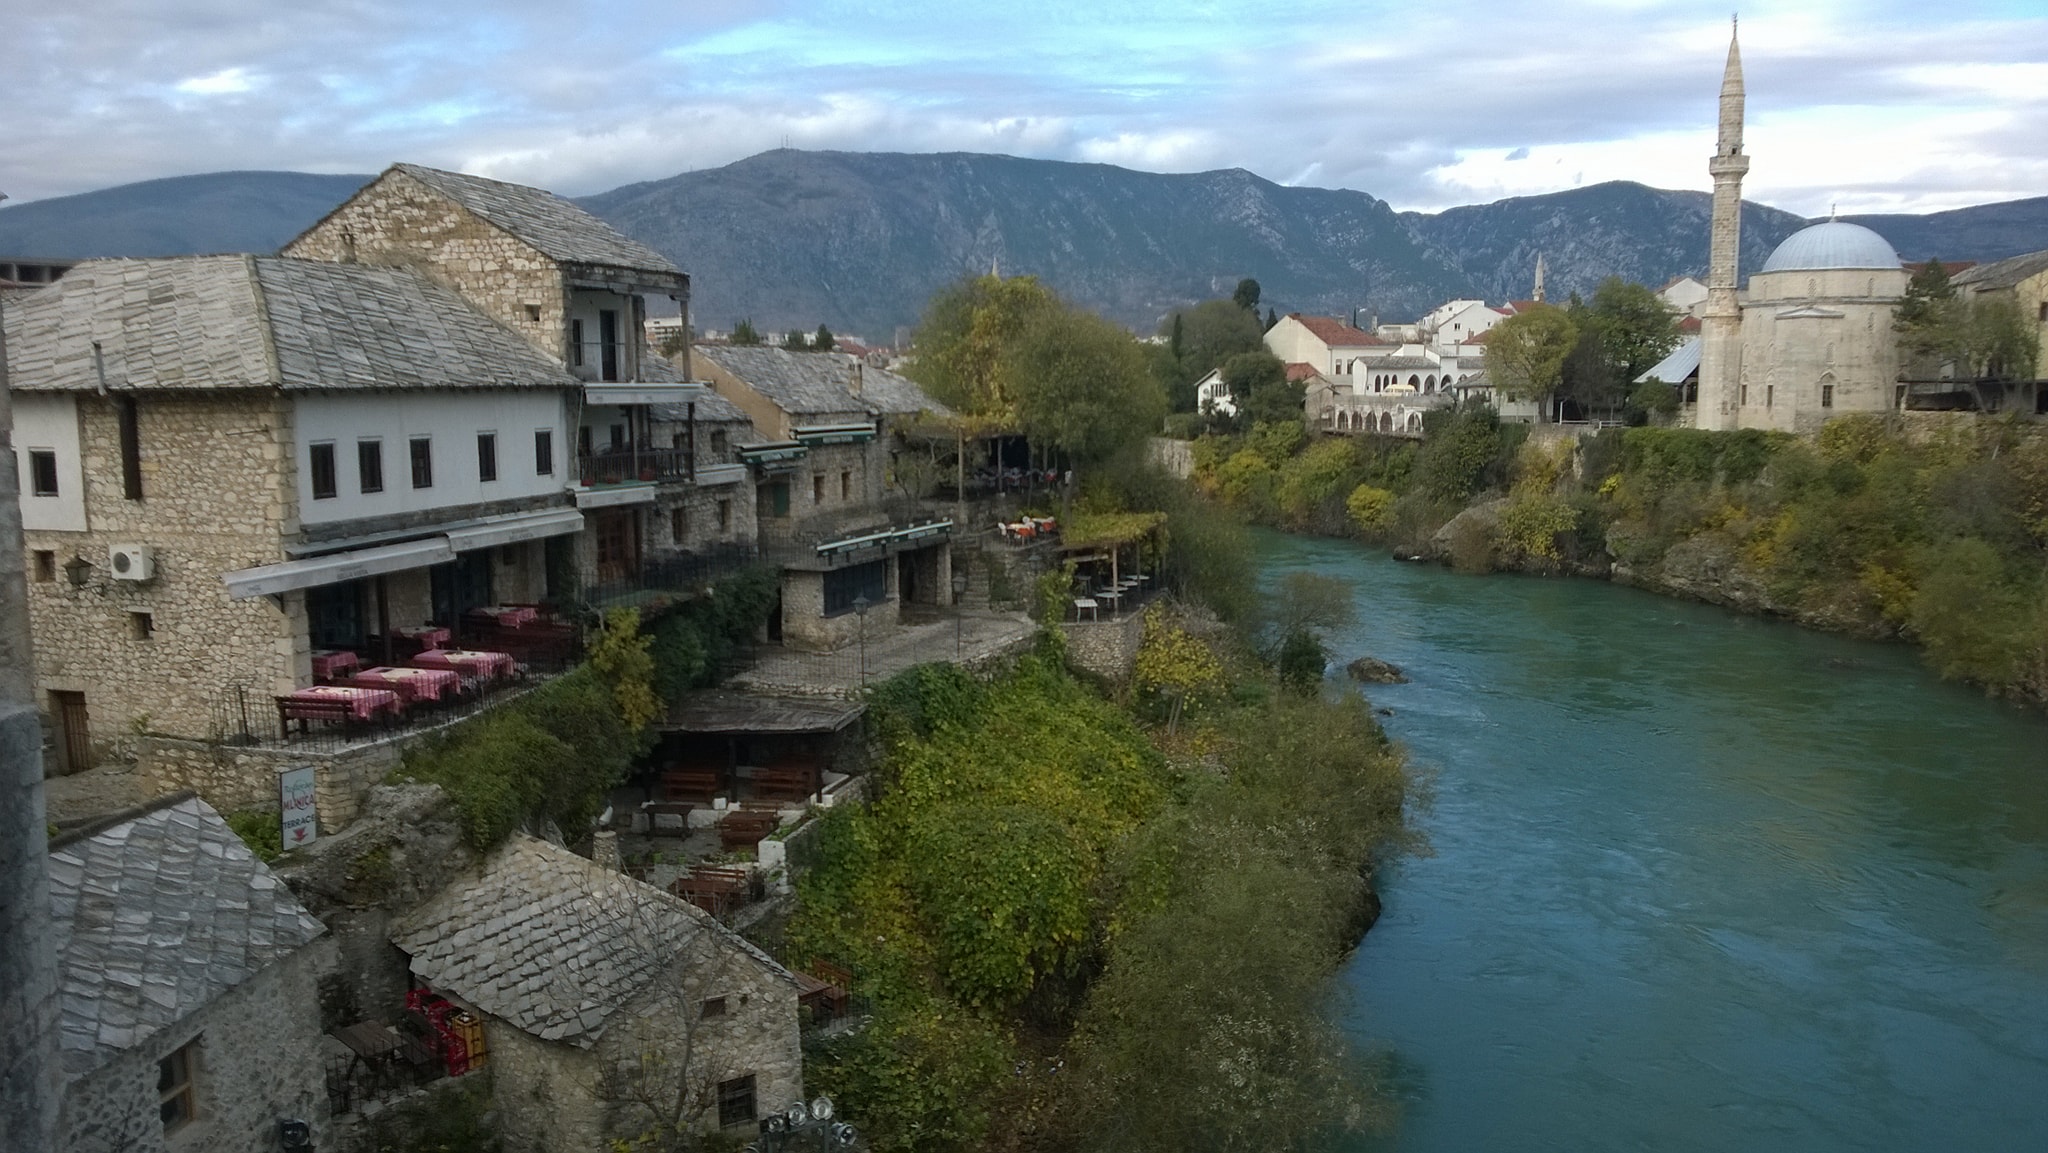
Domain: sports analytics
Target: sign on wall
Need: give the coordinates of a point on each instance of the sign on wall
(295, 805)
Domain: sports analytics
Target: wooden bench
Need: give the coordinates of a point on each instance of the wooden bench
(698, 785)
(655, 809)
(745, 828)
(784, 783)
(827, 992)
(713, 888)
(291, 709)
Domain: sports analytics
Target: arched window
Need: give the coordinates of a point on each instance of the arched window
(1827, 390)
(1414, 381)
(1386, 422)
(1414, 422)
(1429, 383)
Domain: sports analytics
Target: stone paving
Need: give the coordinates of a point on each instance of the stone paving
(106, 789)
(984, 637)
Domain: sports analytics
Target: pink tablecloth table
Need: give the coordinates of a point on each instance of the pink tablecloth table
(428, 636)
(411, 684)
(362, 703)
(475, 663)
(508, 616)
(330, 664)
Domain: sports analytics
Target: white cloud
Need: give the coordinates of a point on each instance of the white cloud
(221, 83)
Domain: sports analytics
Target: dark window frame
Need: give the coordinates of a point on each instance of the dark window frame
(712, 1007)
(131, 447)
(421, 452)
(42, 472)
(844, 585)
(321, 472)
(486, 457)
(369, 465)
(736, 1105)
(543, 452)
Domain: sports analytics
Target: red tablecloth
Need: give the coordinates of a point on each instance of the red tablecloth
(468, 662)
(411, 684)
(364, 703)
(429, 636)
(329, 664)
(508, 616)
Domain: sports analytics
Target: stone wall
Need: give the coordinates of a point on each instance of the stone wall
(1177, 457)
(1107, 648)
(233, 778)
(217, 496)
(554, 1097)
(701, 522)
(259, 1060)
(805, 625)
(399, 221)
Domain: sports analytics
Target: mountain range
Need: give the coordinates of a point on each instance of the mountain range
(861, 240)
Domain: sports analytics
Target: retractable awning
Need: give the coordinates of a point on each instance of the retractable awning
(515, 527)
(270, 579)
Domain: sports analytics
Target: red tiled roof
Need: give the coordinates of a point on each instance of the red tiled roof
(1300, 370)
(1332, 331)
(1689, 325)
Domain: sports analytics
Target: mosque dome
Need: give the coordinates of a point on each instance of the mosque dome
(1832, 244)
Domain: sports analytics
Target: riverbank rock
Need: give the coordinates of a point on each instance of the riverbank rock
(1465, 542)
(1374, 671)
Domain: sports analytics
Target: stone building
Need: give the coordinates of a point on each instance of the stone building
(190, 1014)
(833, 507)
(1812, 337)
(2024, 281)
(611, 1009)
(228, 461)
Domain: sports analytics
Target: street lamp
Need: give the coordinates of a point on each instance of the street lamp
(959, 590)
(860, 609)
(801, 1127)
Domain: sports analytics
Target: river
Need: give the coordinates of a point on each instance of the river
(1699, 881)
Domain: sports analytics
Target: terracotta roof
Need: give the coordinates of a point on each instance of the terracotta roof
(1334, 332)
(1689, 325)
(1300, 370)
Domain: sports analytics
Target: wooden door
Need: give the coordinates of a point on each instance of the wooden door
(74, 732)
(618, 544)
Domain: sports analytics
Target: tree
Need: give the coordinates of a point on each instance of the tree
(795, 341)
(1525, 353)
(1981, 337)
(823, 341)
(1258, 383)
(1081, 385)
(1922, 317)
(1634, 326)
(744, 333)
(1213, 332)
(964, 340)
(1272, 318)
(1588, 379)
(1246, 295)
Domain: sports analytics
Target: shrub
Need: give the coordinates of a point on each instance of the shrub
(262, 832)
(1371, 509)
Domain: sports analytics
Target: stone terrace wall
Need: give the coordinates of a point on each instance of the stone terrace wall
(399, 221)
(233, 778)
(1106, 648)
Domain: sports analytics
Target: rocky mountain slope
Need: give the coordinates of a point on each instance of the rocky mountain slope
(861, 240)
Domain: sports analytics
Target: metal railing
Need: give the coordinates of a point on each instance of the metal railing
(677, 574)
(621, 465)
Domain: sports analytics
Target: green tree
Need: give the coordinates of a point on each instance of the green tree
(822, 341)
(965, 341)
(1371, 509)
(795, 341)
(1246, 296)
(1525, 353)
(1635, 328)
(1214, 331)
(744, 333)
(1272, 318)
(1925, 318)
(1258, 383)
(2000, 341)
(1082, 385)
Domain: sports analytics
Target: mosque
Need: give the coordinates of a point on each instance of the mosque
(1812, 337)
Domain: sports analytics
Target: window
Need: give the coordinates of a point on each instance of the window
(174, 1087)
(618, 438)
(736, 1101)
(1770, 392)
(1745, 394)
(370, 466)
(724, 515)
(543, 452)
(846, 485)
(533, 314)
(678, 524)
(718, 440)
(140, 626)
(131, 448)
(713, 1007)
(846, 585)
(773, 499)
(423, 462)
(46, 565)
(576, 343)
(1827, 396)
(486, 456)
(323, 470)
(2044, 312)
(42, 471)
(817, 488)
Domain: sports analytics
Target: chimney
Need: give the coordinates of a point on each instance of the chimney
(858, 371)
(604, 849)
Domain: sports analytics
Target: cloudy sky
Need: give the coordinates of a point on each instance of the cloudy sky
(1878, 105)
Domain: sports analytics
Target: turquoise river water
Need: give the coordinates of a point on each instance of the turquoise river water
(1699, 881)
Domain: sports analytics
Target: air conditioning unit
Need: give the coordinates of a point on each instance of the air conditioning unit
(131, 562)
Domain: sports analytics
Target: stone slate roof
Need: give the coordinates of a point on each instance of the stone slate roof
(558, 229)
(731, 711)
(156, 916)
(551, 942)
(213, 322)
(820, 383)
(714, 408)
(1414, 363)
(2002, 274)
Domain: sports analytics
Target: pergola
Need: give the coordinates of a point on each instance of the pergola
(1100, 536)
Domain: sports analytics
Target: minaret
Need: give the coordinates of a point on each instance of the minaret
(1721, 326)
(1537, 296)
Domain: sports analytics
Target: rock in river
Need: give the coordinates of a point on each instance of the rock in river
(1375, 671)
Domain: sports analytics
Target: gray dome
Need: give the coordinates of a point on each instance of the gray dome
(1832, 244)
